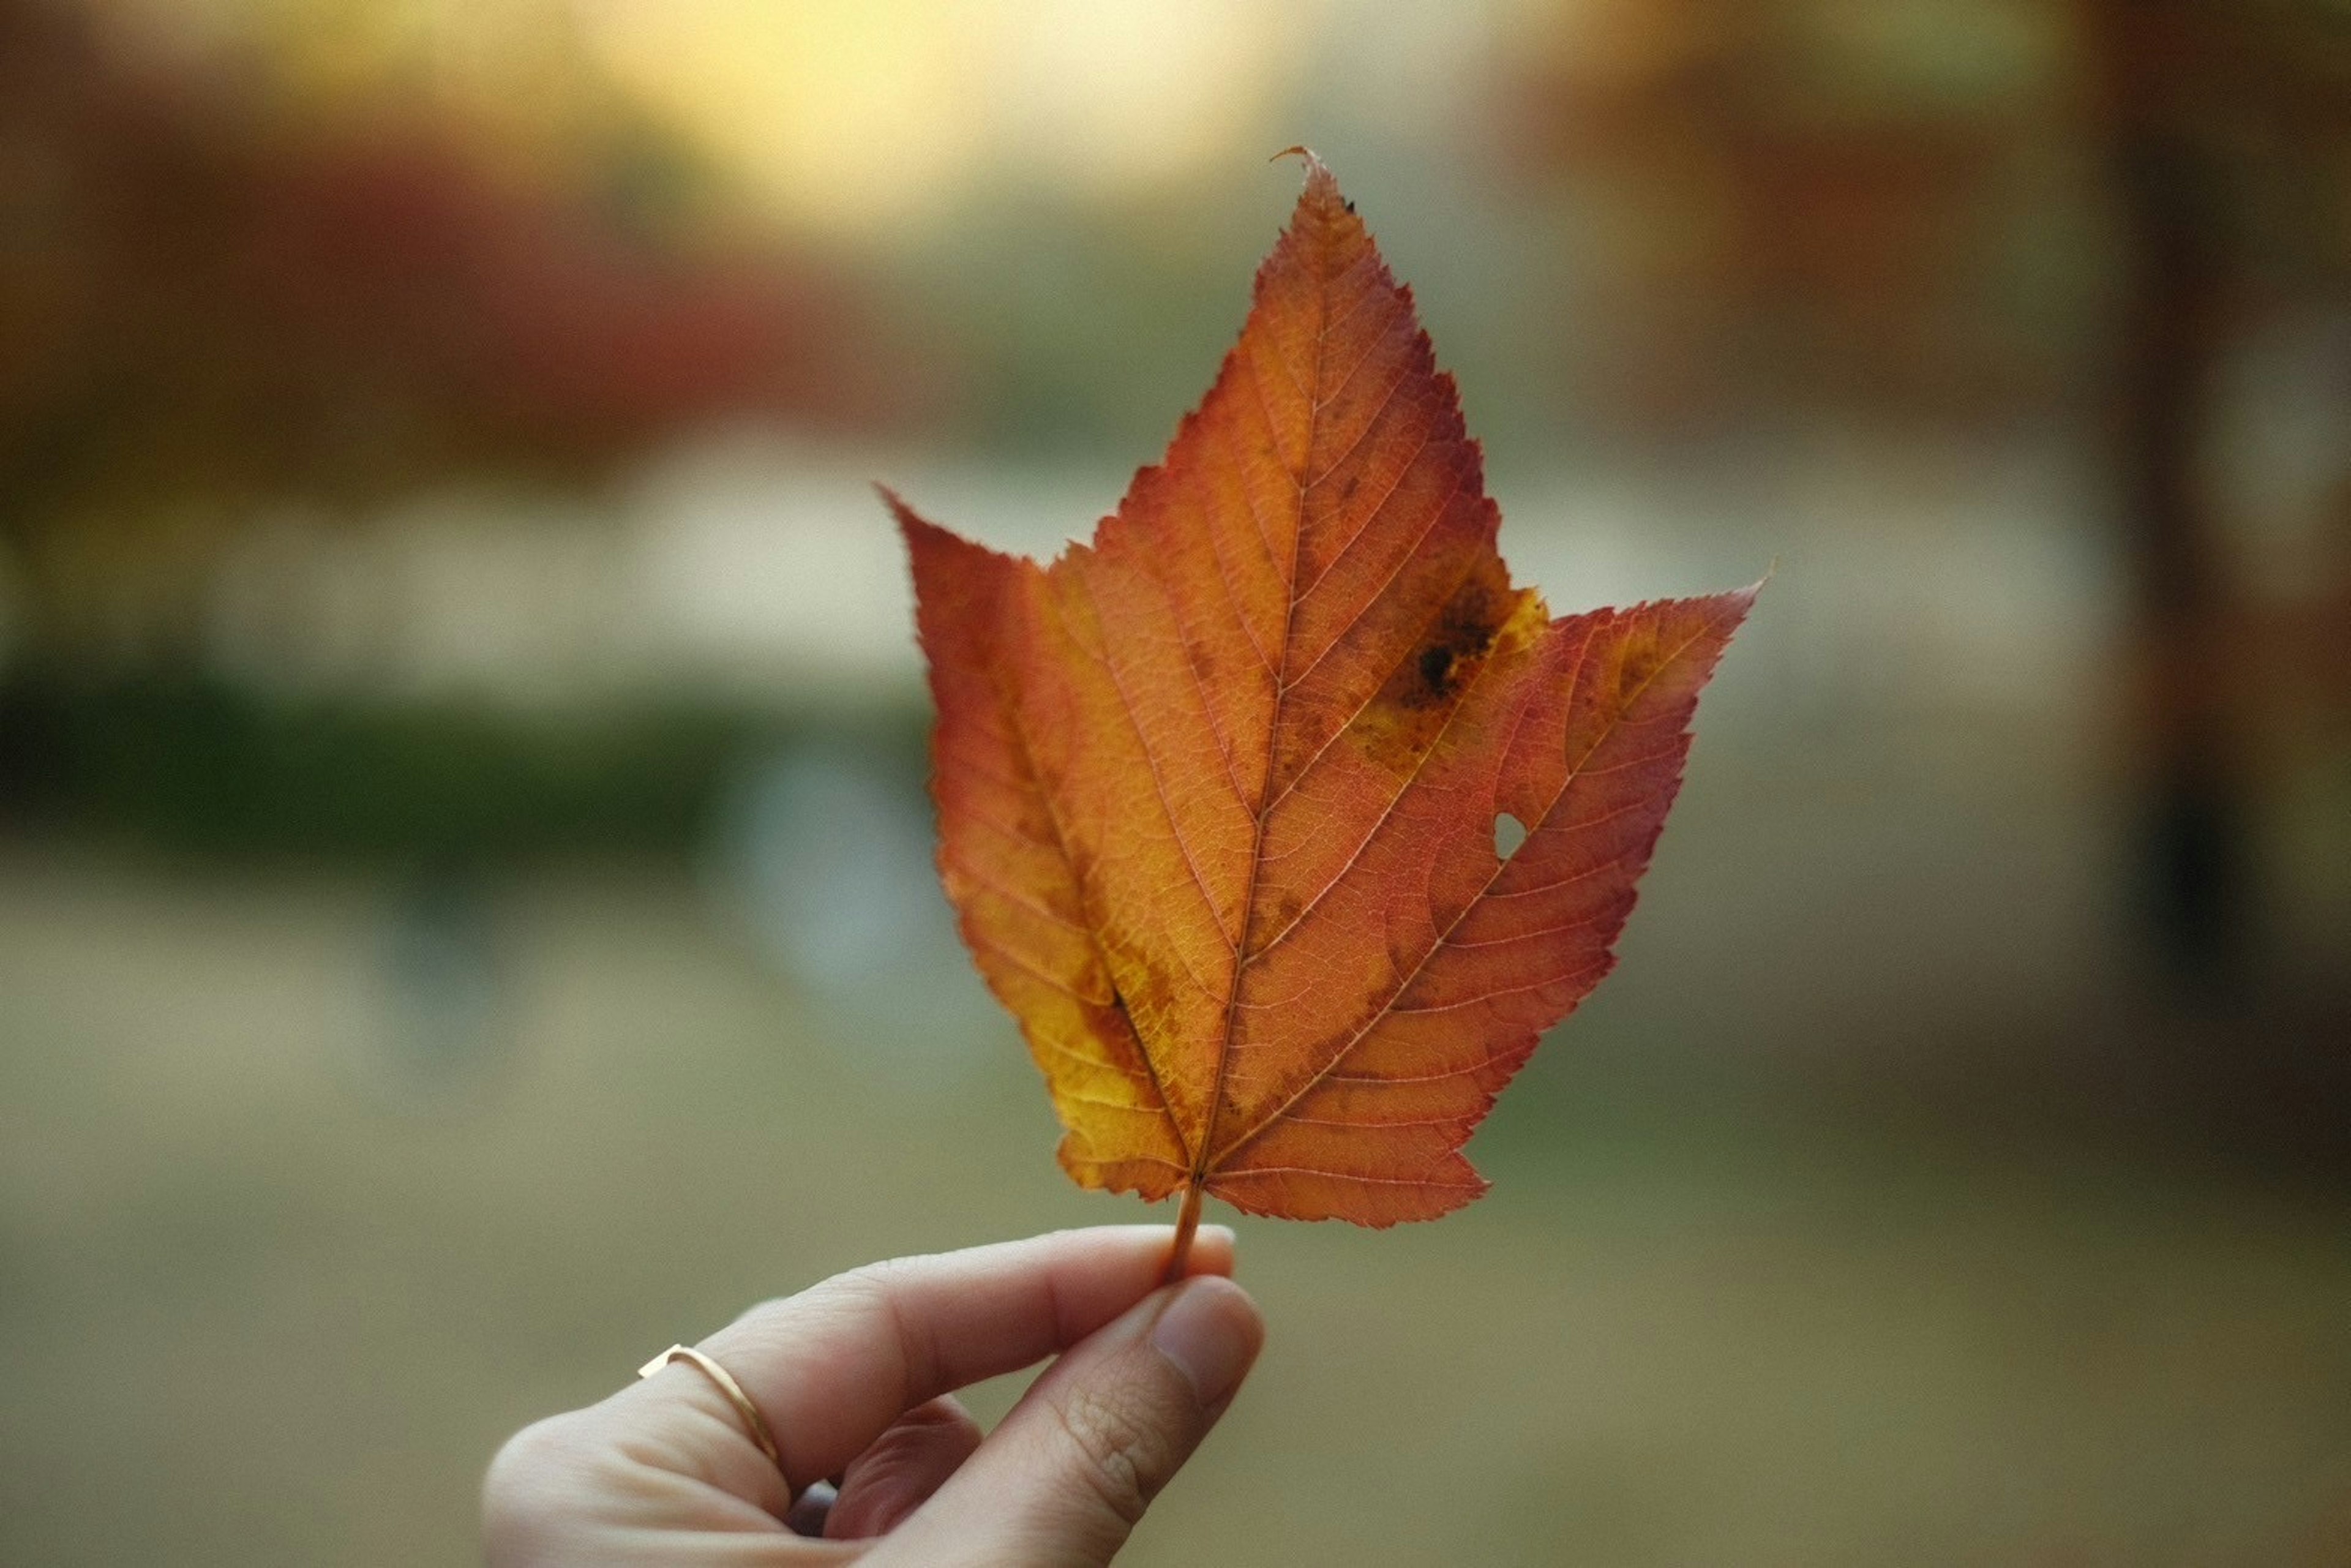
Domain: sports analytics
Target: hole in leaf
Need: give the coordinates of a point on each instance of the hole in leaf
(1509, 834)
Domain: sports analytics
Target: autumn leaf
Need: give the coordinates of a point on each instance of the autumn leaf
(1219, 792)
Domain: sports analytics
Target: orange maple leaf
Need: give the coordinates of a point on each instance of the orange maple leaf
(1218, 792)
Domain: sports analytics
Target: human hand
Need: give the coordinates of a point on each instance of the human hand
(854, 1378)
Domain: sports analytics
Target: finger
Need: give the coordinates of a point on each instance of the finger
(811, 1509)
(830, 1368)
(903, 1468)
(563, 1493)
(1062, 1481)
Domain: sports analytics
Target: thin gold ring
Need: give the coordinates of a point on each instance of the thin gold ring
(734, 1396)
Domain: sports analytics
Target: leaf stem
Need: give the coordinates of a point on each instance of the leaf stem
(1187, 1222)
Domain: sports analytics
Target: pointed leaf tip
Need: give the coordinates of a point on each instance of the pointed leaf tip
(1319, 178)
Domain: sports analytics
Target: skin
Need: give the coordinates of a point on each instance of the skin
(856, 1379)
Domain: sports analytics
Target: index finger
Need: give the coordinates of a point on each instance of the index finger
(831, 1367)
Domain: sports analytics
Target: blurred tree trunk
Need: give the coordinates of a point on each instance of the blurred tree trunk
(2192, 839)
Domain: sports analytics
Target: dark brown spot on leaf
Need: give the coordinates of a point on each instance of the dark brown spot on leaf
(1399, 725)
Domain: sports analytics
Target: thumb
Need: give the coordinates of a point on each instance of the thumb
(1063, 1479)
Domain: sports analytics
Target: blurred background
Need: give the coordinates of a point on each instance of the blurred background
(466, 910)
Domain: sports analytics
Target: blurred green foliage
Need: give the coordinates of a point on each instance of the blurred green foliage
(184, 762)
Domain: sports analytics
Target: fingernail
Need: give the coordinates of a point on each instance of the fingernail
(1206, 1337)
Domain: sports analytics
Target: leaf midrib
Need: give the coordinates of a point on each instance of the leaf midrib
(1204, 1162)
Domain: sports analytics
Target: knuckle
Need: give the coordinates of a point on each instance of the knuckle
(821, 1307)
(767, 1311)
(944, 1414)
(531, 1457)
(773, 1306)
(1122, 1458)
(869, 1286)
(878, 1292)
(858, 1293)
(525, 1492)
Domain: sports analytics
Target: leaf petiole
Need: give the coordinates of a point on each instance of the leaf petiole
(1187, 1222)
